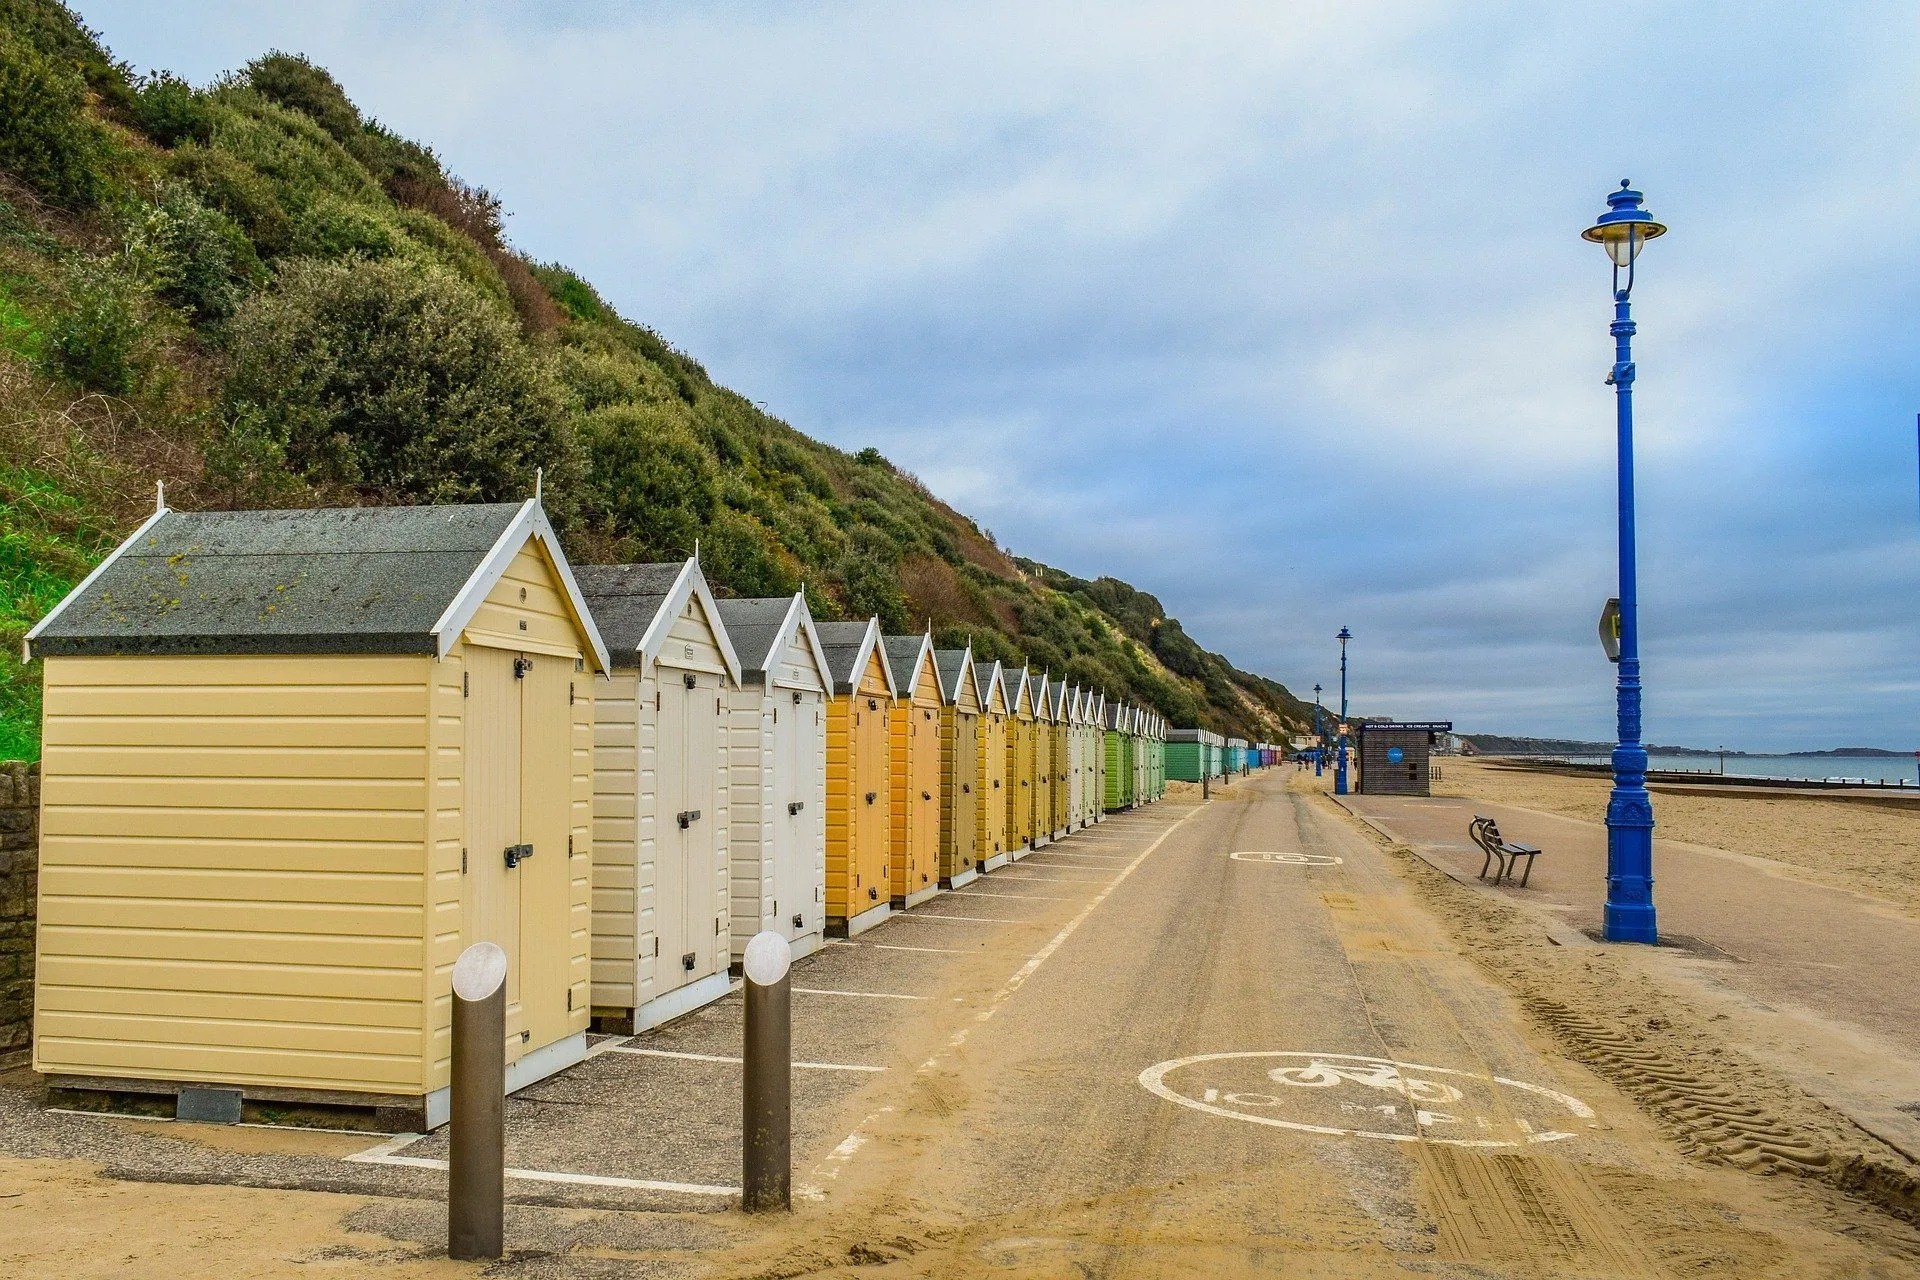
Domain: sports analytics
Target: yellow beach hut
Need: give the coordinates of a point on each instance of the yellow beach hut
(990, 776)
(662, 889)
(1020, 735)
(859, 777)
(777, 770)
(915, 724)
(1043, 787)
(959, 766)
(1061, 731)
(295, 762)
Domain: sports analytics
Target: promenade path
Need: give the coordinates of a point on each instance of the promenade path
(1818, 981)
(1217, 1039)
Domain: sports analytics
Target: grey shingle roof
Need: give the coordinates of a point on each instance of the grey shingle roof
(347, 580)
(902, 652)
(951, 664)
(754, 626)
(841, 642)
(624, 599)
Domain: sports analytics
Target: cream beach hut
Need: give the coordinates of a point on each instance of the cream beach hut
(295, 762)
(661, 893)
(914, 860)
(959, 766)
(777, 771)
(859, 777)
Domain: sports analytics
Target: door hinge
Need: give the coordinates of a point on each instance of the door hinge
(718, 923)
(569, 999)
(656, 699)
(816, 893)
(716, 706)
(656, 946)
(569, 693)
(569, 846)
(463, 862)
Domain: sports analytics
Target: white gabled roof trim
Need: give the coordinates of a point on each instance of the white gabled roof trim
(924, 658)
(690, 582)
(986, 686)
(867, 646)
(26, 643)
(801, 617)
(531, 523)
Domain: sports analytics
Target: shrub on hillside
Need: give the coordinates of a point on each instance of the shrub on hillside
(202, 262)
(47, 139)
(171, 111)
(740, 552)
(91, 342)
(232, 186)
(648, 477)
(389, 376)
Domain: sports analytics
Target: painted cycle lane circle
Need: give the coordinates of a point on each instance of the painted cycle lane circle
(1287, 859)
(1364, 1096)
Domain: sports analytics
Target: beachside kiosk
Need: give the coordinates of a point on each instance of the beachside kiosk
(1394, 757)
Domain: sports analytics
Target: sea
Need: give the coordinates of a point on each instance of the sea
(1892, 770)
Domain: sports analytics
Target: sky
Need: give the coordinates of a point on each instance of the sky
(1278, 311)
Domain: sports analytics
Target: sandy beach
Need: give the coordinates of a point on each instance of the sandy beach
(1845, 844)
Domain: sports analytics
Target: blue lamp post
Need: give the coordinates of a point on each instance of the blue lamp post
(1340, 756)
(1623, 230)
(1319, 735)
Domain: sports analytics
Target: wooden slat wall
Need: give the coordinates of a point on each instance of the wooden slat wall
(249, 905)
(750, 775)
(616, 839)
(841, 766)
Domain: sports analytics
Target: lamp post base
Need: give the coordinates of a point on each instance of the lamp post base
(1629, 913)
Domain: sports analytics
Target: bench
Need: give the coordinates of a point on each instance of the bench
(1500, 854)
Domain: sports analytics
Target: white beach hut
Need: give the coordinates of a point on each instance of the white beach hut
(661, 892)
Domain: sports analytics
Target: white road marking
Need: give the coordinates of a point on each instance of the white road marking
(1330, 1070)
(945, 951)
(925, 915)
(837, 1158)
(870, 995)
(716, 1057)
(543, 1175)
(1288, 859)
(606, 1046)
(1025, 897)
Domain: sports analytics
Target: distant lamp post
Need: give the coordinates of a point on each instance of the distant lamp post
(1319, 736)
(1340, 752)
(1623, 230)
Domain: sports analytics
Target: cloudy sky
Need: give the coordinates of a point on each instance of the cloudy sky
(1275, 310)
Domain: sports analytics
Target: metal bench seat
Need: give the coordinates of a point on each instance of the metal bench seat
(1501, 855)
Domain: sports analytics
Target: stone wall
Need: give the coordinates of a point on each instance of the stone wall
(19, 896)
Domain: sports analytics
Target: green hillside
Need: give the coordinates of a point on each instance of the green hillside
(263, 298)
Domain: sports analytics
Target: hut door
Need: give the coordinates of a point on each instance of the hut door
(701, 761)
(965, 790)
(493, 777)
(791, 784)
(546, 819)
(672, 842)
(871, 805)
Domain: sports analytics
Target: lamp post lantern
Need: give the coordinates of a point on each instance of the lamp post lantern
(1623, 231)
(1319, 735)
(1340, 757)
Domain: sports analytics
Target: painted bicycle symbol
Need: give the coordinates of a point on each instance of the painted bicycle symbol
(1375, 1075)
(1287, 859)
(1365, 1096)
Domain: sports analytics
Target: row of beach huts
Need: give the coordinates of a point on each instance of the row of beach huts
(296, 761)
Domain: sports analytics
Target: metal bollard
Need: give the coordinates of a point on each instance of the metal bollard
(477, 1135)
(767, 1093)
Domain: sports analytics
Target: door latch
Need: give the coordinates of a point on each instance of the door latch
(796, 807)
(870, 796)
(873, 894)
(517, 854)
(799, 921)
(521, 666)
(687, 961)
(688, 817)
